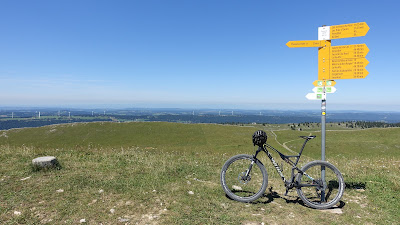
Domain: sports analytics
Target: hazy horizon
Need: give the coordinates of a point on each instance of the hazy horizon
(277, 107)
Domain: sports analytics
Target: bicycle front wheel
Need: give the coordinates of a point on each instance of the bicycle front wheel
(244, 178)
(317, 192)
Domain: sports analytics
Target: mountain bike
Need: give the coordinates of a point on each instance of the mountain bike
(319, 184)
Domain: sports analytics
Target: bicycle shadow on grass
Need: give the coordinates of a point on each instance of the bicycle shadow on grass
(356, 185)
(272, 195)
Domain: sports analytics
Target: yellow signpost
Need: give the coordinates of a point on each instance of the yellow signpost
(302, 44)
(348, 30)
(348, 68)
(342, 62)
(338, 62)
(348, 51)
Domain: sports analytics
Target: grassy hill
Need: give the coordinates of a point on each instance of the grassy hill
(168, 173)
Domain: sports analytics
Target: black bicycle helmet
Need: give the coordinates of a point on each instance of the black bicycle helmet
(259, 138)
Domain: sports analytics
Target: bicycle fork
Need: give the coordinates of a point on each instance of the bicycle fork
(252, 163)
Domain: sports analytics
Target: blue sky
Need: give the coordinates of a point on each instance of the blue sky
(197, 54)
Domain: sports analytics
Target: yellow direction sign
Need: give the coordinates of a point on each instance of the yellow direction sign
(348, 68)
(348, 51)
(326, 83)
(348, 30)
(302, 44)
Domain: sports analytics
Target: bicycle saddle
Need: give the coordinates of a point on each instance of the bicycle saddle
(308, 137)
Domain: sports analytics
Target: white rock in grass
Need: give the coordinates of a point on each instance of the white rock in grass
(26, 178)
(60, 190)
(191, 193)
(101, 191)
(333, 210)
(236, 188)
(123, 220)
(17, 213)
(112, 211)
(45, 162)
(82, 221)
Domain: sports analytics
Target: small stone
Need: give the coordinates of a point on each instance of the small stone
(236, 188)
(128, 203)
(101, 191)
(26, 178)
(333, 210)
(60, 190)
(93, 201)
(154, 191)
(112, 211)
(191, 193)
(82, 221)
(188, 182)
(45, 162)
(123, 220)
(17, 213)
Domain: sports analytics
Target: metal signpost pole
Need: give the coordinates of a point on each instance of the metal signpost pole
(323, 132)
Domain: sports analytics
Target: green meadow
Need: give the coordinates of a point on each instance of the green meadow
(168, 173)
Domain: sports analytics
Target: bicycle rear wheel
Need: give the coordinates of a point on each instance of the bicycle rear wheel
(316, 192)
(244, 178)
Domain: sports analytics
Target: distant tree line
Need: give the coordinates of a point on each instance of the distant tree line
(348, 124)
(367, 124)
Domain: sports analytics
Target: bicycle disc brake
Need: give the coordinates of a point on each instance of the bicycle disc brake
(319, 188)
(243, 178)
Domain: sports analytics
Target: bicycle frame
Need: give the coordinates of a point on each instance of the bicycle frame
(287, 159)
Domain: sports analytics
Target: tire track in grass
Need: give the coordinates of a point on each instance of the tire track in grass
(284, 144)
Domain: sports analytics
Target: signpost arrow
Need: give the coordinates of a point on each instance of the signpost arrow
(316, 96)
(321, 89)
(348, 51)
(343, 31)
(321, 83)
(349, 30)
(348, 68)
(302, 44)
